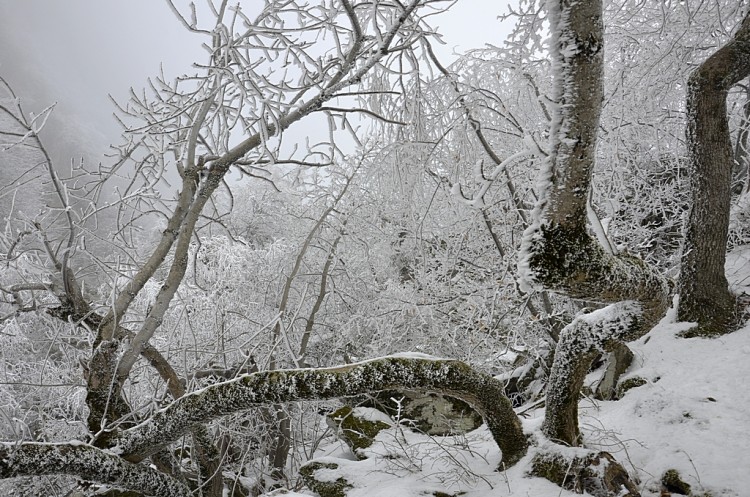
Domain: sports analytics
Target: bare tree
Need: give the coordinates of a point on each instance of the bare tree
(265, 73)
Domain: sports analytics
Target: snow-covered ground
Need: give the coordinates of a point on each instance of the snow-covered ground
(692, 415)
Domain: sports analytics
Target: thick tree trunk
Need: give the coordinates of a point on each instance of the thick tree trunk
(704, 293)
(577, 49)
(482, 392)
(558, 253)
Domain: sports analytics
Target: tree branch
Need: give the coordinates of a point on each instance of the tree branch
(453, 378)
(88, 463)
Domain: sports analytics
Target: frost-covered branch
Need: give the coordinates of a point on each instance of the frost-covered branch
(195, 127)
(322, 292)
(88, 463)
(349, 75)
(501, 166)
(284, 303)
(454, 378)
(580, 342)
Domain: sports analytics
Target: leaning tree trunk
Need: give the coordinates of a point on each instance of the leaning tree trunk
(704, 293)
(558, 253)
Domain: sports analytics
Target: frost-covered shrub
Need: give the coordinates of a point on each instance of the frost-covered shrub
(739, 221)
(646, 208)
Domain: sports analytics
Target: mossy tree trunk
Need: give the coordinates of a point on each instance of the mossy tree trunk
(88, 463)
(704, 293)
(454, 378)
(119, 466)
(559, 254)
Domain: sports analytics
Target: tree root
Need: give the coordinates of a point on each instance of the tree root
(596, 473)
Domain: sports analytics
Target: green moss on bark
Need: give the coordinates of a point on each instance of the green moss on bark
(597, 474)
(335, 488)
(357, 432)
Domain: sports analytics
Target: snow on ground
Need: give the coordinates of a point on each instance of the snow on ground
(692, 415)
(402, 463)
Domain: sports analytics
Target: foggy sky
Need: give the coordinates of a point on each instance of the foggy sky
(76, 52)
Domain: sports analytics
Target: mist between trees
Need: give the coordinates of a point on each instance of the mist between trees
(516, 216)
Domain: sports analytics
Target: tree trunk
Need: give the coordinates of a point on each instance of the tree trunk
(558, 253)
(280, 446)
(580, 343)
(454, 378)
(88, 463)
(704, 293)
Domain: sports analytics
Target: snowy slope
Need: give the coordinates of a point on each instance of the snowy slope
(693, 415)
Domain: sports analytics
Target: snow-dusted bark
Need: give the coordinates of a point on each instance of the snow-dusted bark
(454, 378)
(704, 293)
(558, 253)
(580, 342)
(207, 455)
(88, 463)
(577, 50)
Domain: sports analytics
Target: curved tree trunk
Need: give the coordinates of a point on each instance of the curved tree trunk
(704, 293)
(558, 253)
(119, 467)
(454, 378)
(580, 343)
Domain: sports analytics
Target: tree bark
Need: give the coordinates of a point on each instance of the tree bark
(454, 378)
(119, 465)
(558, 253)
(580, 343)
(704, 292)
(88, 463)
(107, 396)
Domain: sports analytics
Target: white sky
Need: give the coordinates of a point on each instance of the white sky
(76, 52)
